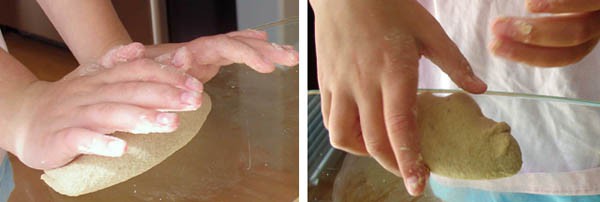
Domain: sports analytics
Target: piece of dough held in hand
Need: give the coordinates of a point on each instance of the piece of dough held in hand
(90, 173)
(458, 141)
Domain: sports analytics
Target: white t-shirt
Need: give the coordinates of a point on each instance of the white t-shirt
(553, 137)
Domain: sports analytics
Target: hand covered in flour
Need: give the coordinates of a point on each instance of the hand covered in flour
(368, 54)
(555, 40)
(248, 46)
(54, 122)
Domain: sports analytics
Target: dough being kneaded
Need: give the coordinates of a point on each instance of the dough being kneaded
(90, 173)
(458, 141)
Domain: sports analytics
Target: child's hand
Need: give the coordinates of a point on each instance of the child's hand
(555, 40)
(249, 46)
(53, 122)
(368, 53)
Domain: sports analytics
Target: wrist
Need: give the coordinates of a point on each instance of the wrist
(14, 116)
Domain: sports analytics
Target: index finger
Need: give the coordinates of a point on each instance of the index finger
(223, 48)
(147, 70)
(399, 106)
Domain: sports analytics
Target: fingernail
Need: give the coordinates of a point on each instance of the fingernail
(522, 27)
(277, 46)
(412, 183)
(293, 57)
(166, 119)
(164, 58)
(474, 81)
(514, 28)
(107, 60)
(289, 47)
(503, 25)
(420, 159)
(120, 54)
(258, 32)
(116, 147)
(190, 98)
(193, 84)
(146, 126)
(179, 57)
(130, 51)
(495, 46)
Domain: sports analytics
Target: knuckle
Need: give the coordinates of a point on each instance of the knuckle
(219, 39)
(399, 123)
(338, 142)
(459, 69)
(102, 109)
(164, 91)
(262, 34)
(409, 72)
(168, 95)
(142, 64)
(78, 85)
(126, 89)
(71, 136)
(339, 139)
(377, 148)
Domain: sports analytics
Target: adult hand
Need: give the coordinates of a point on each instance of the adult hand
(248, 46)
(368, 53)
(549, 41)
(53, 122)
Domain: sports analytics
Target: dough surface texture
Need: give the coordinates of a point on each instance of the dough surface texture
(458, 141)
(90, 173)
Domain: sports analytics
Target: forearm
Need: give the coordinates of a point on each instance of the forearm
(13, 74)
(90, 27)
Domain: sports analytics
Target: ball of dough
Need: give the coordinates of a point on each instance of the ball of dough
(458, 141)
(90, 173)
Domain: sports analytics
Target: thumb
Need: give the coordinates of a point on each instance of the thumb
(122, 54)
(442, 51)
(181, 59)
(115, 56)
(70, 143)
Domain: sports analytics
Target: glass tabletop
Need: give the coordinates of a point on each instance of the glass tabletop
(247, 150)
(544, 126)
